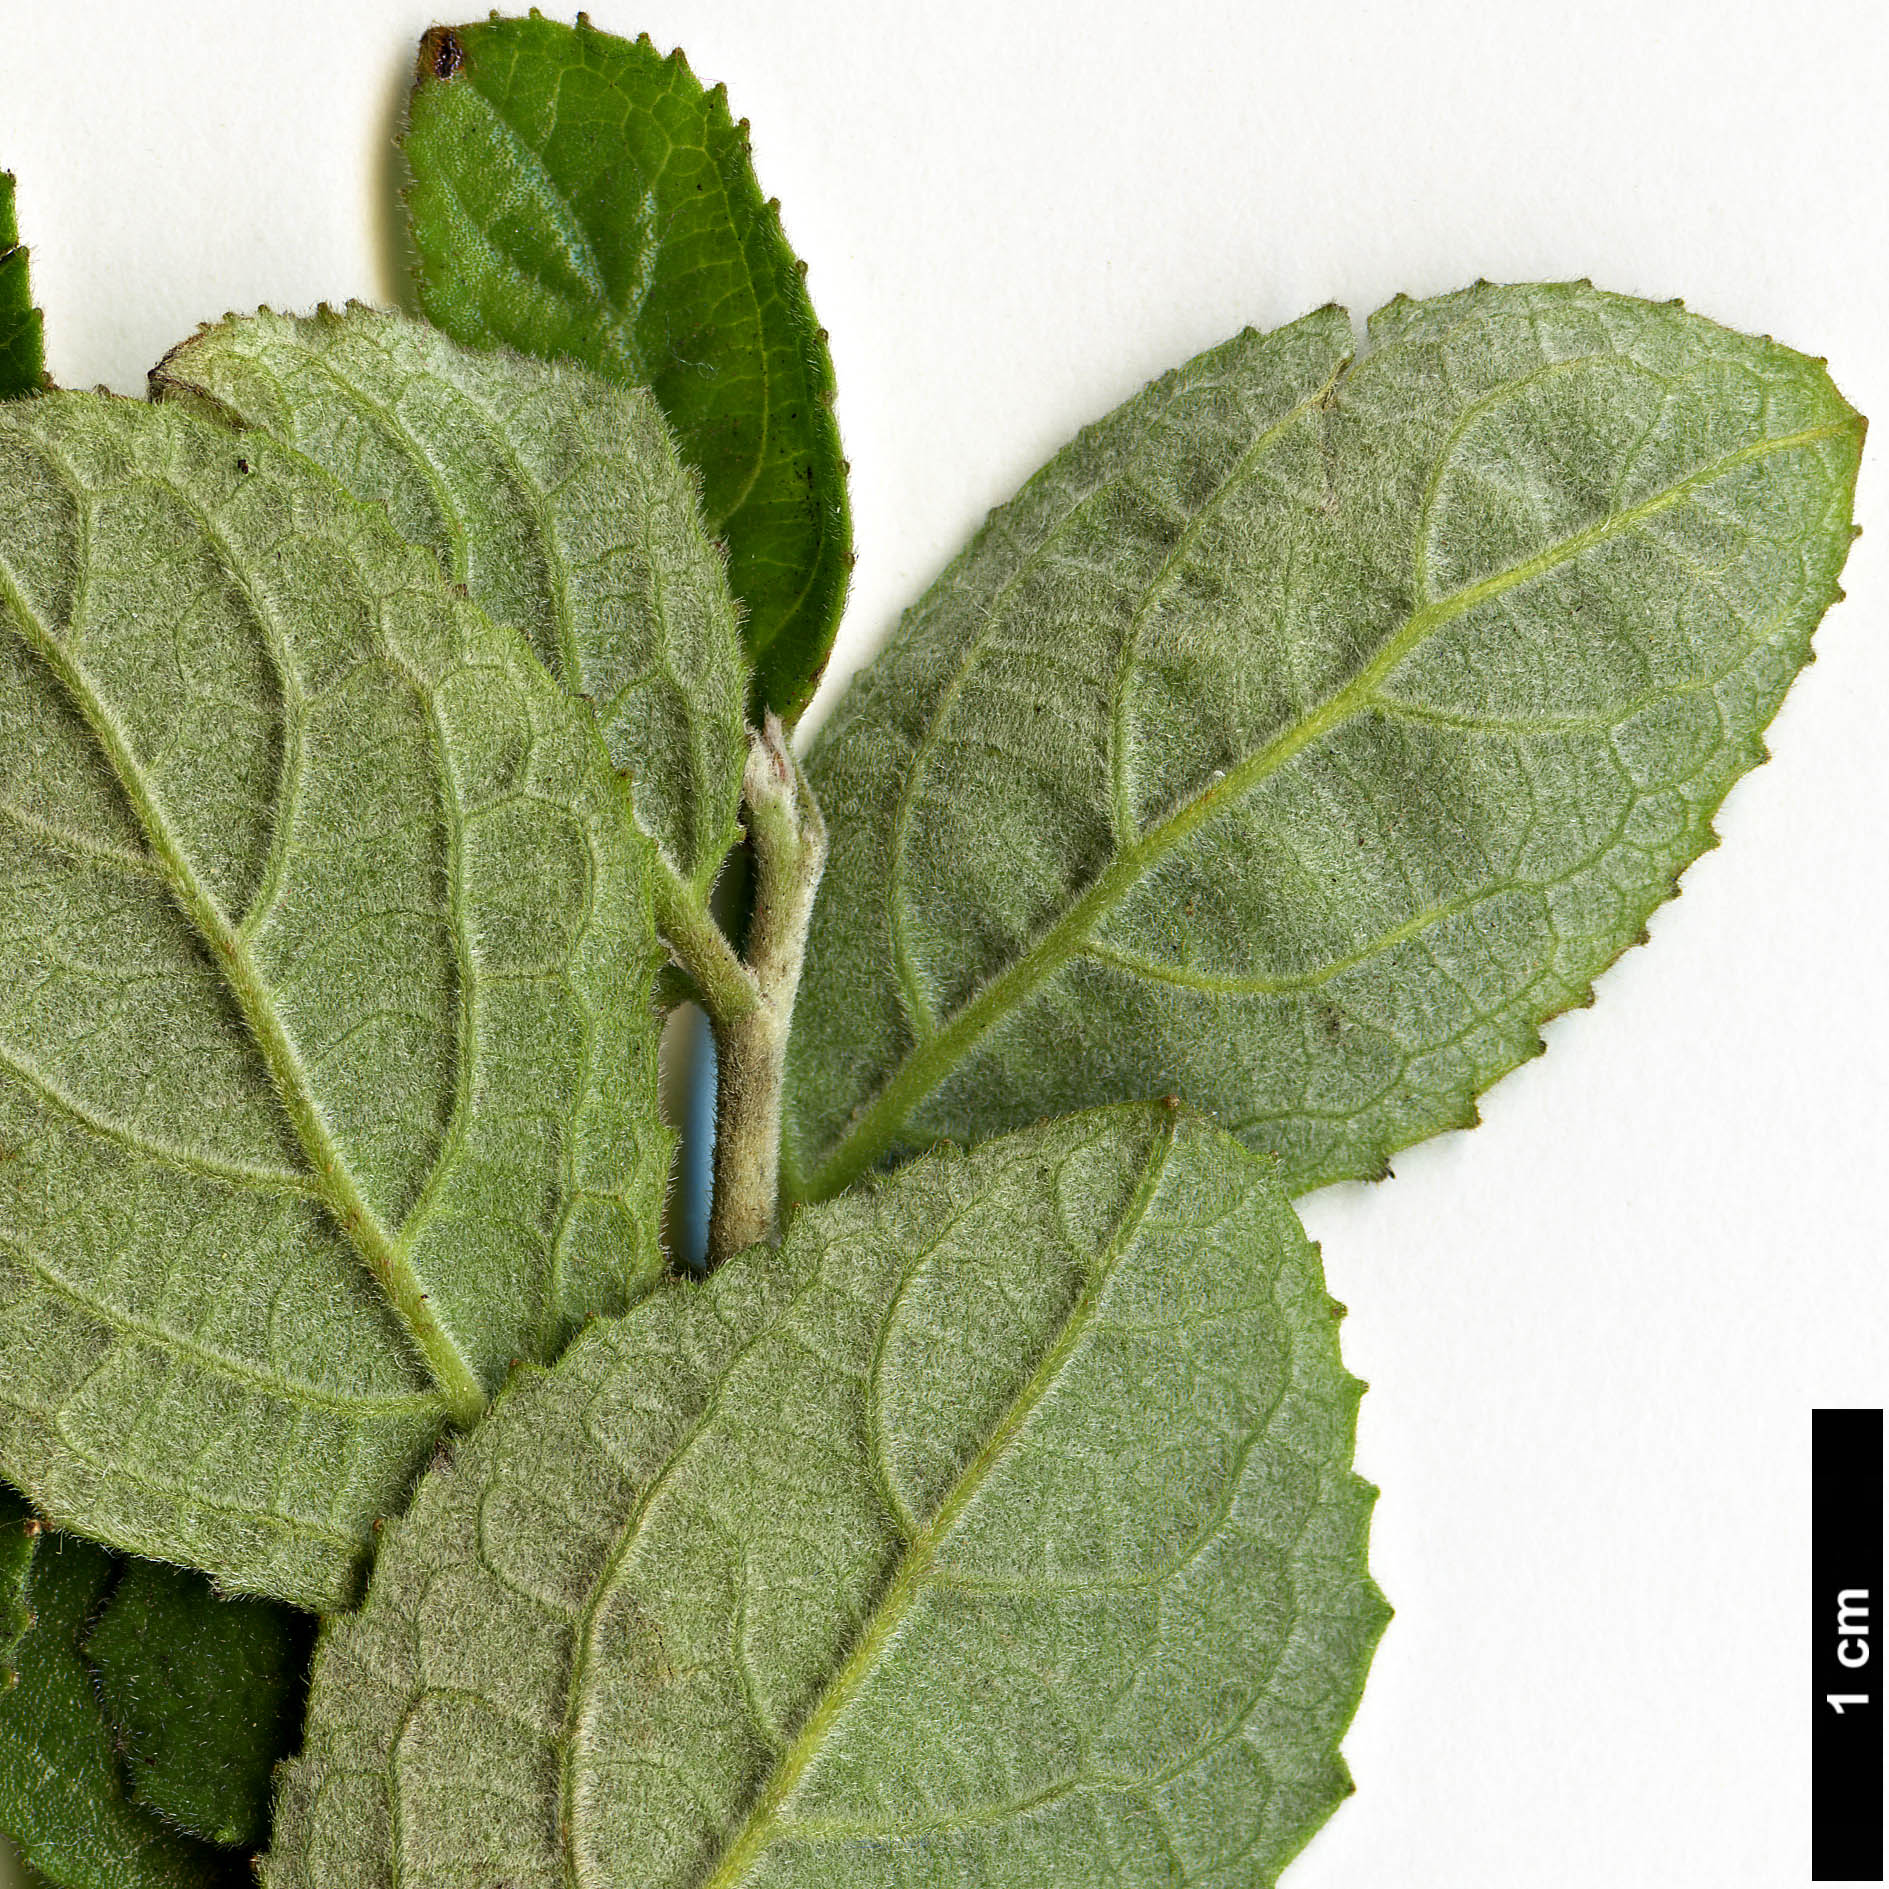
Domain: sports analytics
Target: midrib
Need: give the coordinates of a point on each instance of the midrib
(582, 254)
(924, 1024)
(877, 1123)
(334, 1184)
(915, 1564)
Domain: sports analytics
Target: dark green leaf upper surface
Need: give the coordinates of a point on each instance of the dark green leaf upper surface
(22, 341)
(1307, 733)
(999, 1529)
(578, 195)
(61, 1790)
(554, 497)
(16, 1564)
(203, 1694)
(327, 1069)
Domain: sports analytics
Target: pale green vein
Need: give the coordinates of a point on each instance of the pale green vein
(387, 1252)
(578, 249)
(78, 845)
(1187, 977)
(188, 1160)
(1243, 469)
(591, 1656)
(1499, 395)
(385, 1256)
(303, 1395)
(876, 1125)
(294, 709)
(918, 1009)
(915, 1565)
(465, 991)
(458, 550)
(987, 1817)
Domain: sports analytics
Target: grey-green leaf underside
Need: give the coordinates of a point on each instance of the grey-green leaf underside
(326, 1059)
(1307, 733)
(554, 497)
(999, 1528)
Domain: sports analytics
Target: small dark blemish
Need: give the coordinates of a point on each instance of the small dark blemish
(441, 54)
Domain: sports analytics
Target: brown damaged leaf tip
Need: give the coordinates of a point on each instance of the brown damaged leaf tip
(441, 54)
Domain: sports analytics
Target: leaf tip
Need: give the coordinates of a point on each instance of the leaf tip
(442, 56)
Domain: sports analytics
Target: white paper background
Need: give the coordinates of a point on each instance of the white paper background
(1595, 1327)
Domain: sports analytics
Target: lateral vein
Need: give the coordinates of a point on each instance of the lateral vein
(915, 1565)
(385, 1256)
(877, 1122)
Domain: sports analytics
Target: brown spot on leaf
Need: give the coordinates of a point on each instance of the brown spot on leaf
(441, 54)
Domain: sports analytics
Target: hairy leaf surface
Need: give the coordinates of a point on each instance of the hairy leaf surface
(557, 501)
(999, 1528)
(204, 1695)
(326, 1063)
(578, 195)
(16, 1563)
(1307, 733)
(62, 1795)
(22, 336)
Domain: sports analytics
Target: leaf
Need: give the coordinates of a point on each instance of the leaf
(999, 1528)
(327, 1071)
(576, 195)
(554, 498)
(16, 1564)
(1306, 734)
(61, 1795)
(22, 337)
(204, 1696)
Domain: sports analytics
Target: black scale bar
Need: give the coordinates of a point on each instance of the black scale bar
(1849, 1646)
